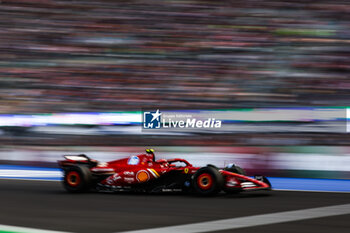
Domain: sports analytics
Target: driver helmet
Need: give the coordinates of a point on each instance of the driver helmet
(150, 153)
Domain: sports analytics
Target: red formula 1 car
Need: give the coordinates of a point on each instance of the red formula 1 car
(143, 173)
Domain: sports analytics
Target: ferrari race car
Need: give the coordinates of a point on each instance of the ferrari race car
(142, 173)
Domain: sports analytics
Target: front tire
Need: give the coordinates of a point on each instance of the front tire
(207, 181)
(77, 179)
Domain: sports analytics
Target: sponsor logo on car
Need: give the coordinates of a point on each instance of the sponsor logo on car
(133, 160)
(113, 179)
(231, 183)
(142, 176)
(247, 184)
(127, 173)
(129, 179)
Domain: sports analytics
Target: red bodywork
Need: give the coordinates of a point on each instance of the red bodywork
(142, 168)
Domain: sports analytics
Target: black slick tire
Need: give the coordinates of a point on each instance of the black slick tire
(207, 181)
(77, 179)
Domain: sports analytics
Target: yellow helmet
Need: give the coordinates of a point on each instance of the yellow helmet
(149, 151)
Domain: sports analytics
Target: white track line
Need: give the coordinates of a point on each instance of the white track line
(43, 179)
(6, 228)
(30, 173)
(251, 221)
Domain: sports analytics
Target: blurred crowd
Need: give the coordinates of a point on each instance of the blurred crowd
(106, 55)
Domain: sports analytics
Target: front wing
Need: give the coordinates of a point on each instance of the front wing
(235, 181)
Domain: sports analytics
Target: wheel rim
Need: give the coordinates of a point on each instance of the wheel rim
(205, 181)
(73, 178)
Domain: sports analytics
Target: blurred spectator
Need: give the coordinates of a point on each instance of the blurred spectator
(102, 55)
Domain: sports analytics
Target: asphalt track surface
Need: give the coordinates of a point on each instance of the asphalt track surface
(45, 205)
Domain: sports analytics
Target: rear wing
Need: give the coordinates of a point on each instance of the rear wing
(71, 160)
(81, 157)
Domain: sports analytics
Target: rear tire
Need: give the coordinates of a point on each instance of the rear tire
(207, 181)
(77, 179)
